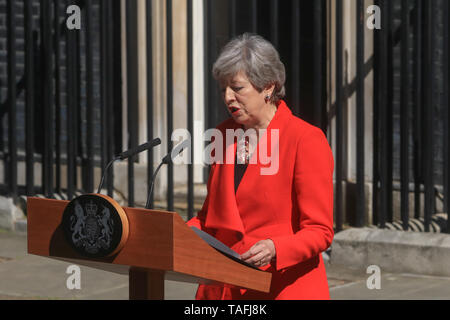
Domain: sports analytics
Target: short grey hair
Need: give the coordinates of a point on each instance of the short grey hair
(257, 58)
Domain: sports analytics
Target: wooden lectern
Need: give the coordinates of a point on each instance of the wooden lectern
(159, 246)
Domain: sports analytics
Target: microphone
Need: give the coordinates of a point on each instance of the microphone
(127, 154)
(168, 159)
(138, 149)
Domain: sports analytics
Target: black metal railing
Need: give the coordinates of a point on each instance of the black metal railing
(58, 71)
(410, 121)
(72, 106)
(64, 89)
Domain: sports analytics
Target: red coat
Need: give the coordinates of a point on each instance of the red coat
(293, 207)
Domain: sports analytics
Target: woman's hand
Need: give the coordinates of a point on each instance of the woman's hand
(261, 254)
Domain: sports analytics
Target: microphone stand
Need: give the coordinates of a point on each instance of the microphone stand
(106, 170)
(150, 192)
(166, 160)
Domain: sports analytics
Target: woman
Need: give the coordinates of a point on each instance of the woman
(278, 222)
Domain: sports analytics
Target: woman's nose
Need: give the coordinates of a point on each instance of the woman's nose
(228, 95)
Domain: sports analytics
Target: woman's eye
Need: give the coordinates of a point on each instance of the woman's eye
(235, 89)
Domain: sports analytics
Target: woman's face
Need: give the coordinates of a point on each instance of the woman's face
(245, 104)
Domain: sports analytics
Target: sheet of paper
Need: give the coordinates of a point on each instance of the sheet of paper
(219, 246)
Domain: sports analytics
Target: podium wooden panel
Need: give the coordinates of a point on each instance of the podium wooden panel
(160, 246)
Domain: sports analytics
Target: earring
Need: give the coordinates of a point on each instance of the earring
(267, 98)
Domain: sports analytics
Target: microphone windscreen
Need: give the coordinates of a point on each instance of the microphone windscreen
(140, 148)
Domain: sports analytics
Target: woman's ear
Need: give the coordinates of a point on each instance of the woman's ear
(268, 91)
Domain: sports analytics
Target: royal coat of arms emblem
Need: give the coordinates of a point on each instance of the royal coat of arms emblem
(92, 225)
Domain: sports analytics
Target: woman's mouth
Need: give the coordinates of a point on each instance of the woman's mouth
(233, 109)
